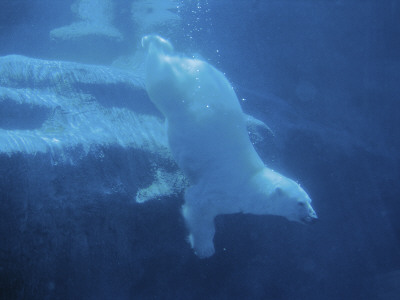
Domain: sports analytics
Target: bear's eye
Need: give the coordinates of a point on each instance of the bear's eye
(302, 204)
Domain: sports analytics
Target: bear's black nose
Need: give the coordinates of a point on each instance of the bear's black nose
(310, 219)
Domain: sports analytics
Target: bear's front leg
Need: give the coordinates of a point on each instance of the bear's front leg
(200, 222)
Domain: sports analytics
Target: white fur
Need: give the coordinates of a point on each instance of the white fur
(209, 141)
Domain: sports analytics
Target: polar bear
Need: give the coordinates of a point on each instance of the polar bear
(208, 139)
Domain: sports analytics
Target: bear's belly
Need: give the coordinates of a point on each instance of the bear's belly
(213, 151)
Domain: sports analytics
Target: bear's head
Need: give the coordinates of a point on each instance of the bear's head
(294, 203)
(281, 196)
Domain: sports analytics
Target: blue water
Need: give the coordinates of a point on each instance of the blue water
(79, 140)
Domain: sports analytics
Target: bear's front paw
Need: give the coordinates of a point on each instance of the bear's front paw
(204, 251)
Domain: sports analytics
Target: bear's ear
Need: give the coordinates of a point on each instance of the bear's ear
(278, 191)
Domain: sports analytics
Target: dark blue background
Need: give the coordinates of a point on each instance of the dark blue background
(324, 75)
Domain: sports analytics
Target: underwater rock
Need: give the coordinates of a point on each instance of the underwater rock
(68, 111)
